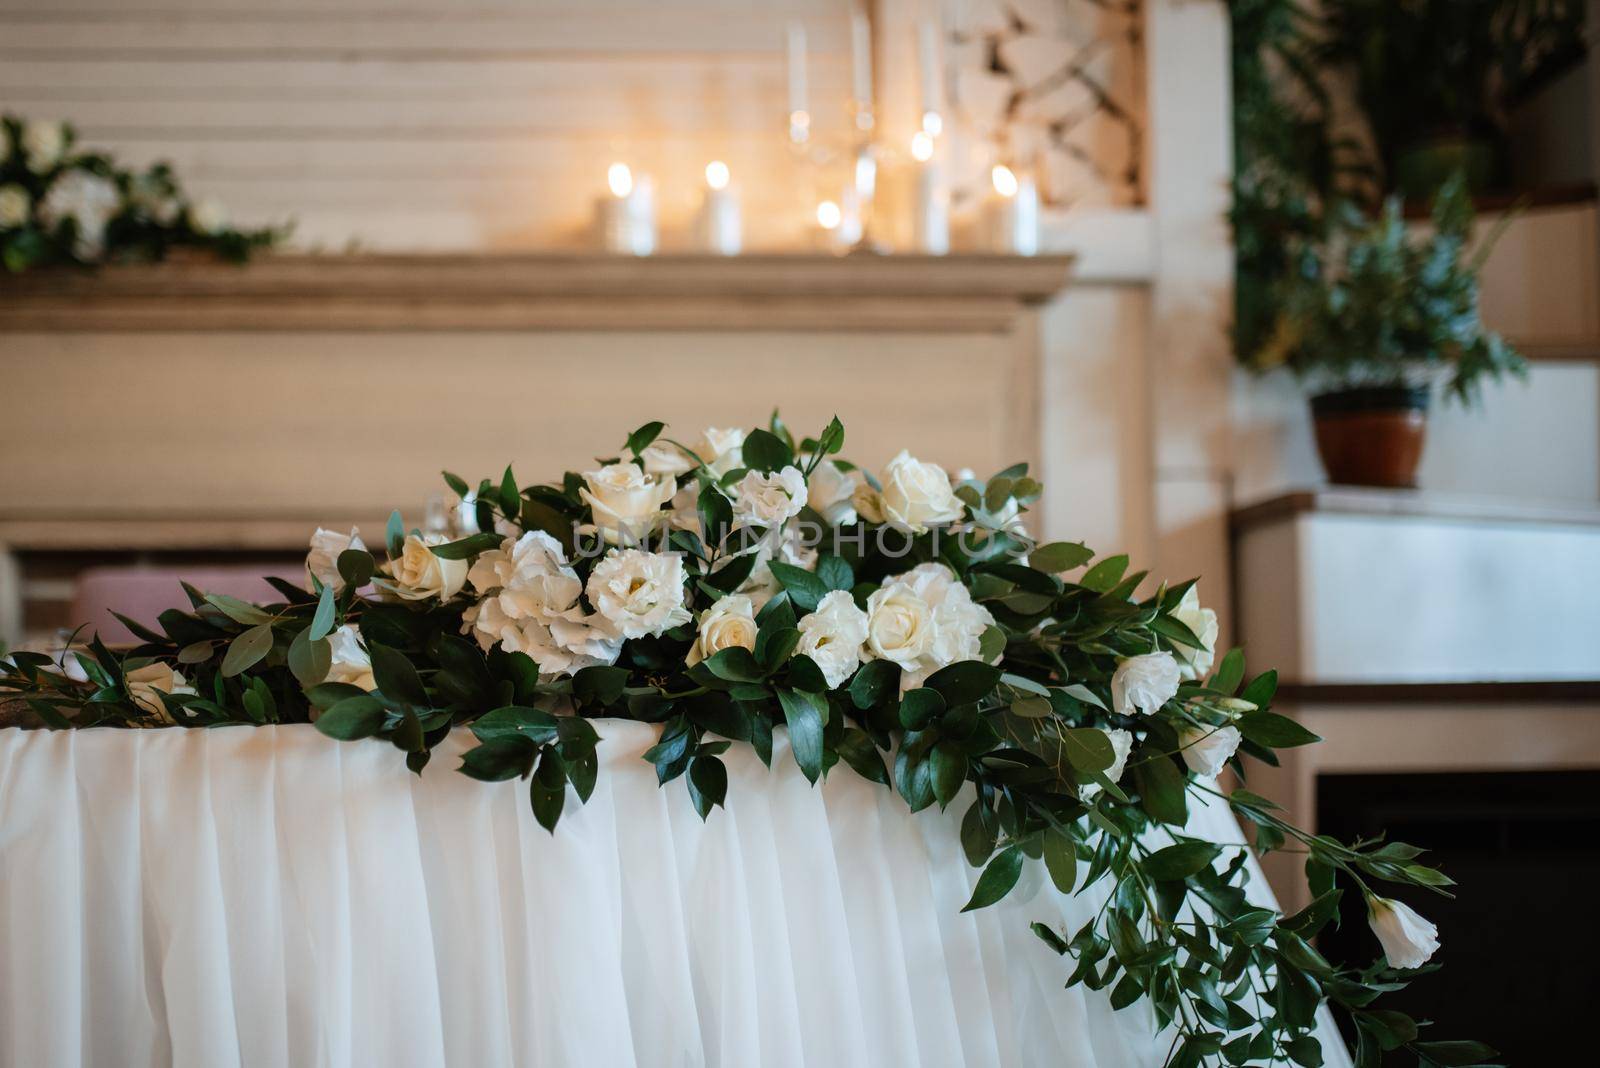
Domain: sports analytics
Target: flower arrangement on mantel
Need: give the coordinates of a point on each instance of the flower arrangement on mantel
(899, 624)
(60, 205)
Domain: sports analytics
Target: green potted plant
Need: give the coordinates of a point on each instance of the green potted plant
(1373, 319)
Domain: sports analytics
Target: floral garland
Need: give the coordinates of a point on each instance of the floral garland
(62, 206)
(900, 624)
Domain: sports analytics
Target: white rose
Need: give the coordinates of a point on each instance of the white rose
(626, 501)
(899, 626)
(916, 494)
(322, 562)
(42, 144)
(639, 593)
(728, 624)
(1144, 683)
(867, 504)
(721, 450)
(1408, 939)
(832, 636)
(1207, 750)
(350, 662)
(14, 204)
(88, 199)
(955, 621)
(208, 217)
(763, 500)
(1203, 622)
(419, 575)
(531, 606)
(664, 458)
(832, 491)
(1121, 745)
(146, 683)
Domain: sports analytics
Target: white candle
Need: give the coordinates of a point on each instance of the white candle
(626, 217)
(930, 222)
(838, 223)
(1012, 214)
(928, 62)
(719, 213)
(861, 62)
(797, 71)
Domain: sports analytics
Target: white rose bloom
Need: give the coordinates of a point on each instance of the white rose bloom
(87, 198)
(14, 205)
(728, 624)
(144, 685)
(664, 458)
(639, 593)
(1121, 745)
(627, 501)
(1408, 939)
(832, 636)
(763, 500)
(208, 217)
(1144, 683)
(831, 493)
(954, 630)
(1207, 750)
(42, 144)
(350, 663)
(420, 575)
(722, 450)
(866, 502)
(322, 562)
(916, 495)
(1203, 622)
(531, 606)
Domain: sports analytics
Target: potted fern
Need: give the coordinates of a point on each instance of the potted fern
(1373, 319)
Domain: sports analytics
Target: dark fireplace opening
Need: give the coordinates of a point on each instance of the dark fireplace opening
(1518, 943)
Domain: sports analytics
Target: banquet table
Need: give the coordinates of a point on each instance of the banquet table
(265, 896)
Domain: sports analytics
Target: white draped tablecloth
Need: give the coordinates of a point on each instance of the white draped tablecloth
(269, 897)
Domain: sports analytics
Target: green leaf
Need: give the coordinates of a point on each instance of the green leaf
(195, 652)
(457, 484)
(964, 681)
(499, 759)
(919, 706)
(832, 439)
(805, 589)
(599, 684)
(396, 677)
(468, 547)
(736, 664)
(1060, 860)
(806, 715)
(716, 515)
(708, 783)
(237, 610)
(1274, 731)
(947, 770)
(1230, 672)
(1180, 861)
(997, 879)
(310, 659)
(1261, 689)
(322, 619)
(532, 723)
(874, 683)
(395, 533)
(356, 567)
(1088, 749)
(1455, 1052)
(1059, 556)
(774, 645)
(352, 718)
(510, 497)
(643, 438)
(1105, 575)
(548, 791)
(247, 649)
(835, 573)
(765, 451)
(1161, 789)
(979, 829)
(1392, 1029)
(857, 749)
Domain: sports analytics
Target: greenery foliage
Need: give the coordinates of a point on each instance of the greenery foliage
(1024, 731)
(62, 205)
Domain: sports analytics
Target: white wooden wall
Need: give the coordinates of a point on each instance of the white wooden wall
(436, 123)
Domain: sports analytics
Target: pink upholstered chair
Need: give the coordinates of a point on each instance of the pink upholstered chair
(143, 593)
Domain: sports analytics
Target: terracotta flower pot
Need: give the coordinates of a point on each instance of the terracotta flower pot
(1371, 437)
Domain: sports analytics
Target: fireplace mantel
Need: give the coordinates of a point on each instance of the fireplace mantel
(966, 293)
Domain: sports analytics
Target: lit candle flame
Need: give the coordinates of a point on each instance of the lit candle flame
(828, 215)
(921, 147)
(620, 179)
(1005, 182)
(717, 174)
(932, 124)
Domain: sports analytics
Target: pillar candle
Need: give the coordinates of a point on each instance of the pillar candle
(1012, 214)
(718, 225)
(930, 220)
(626, 216)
